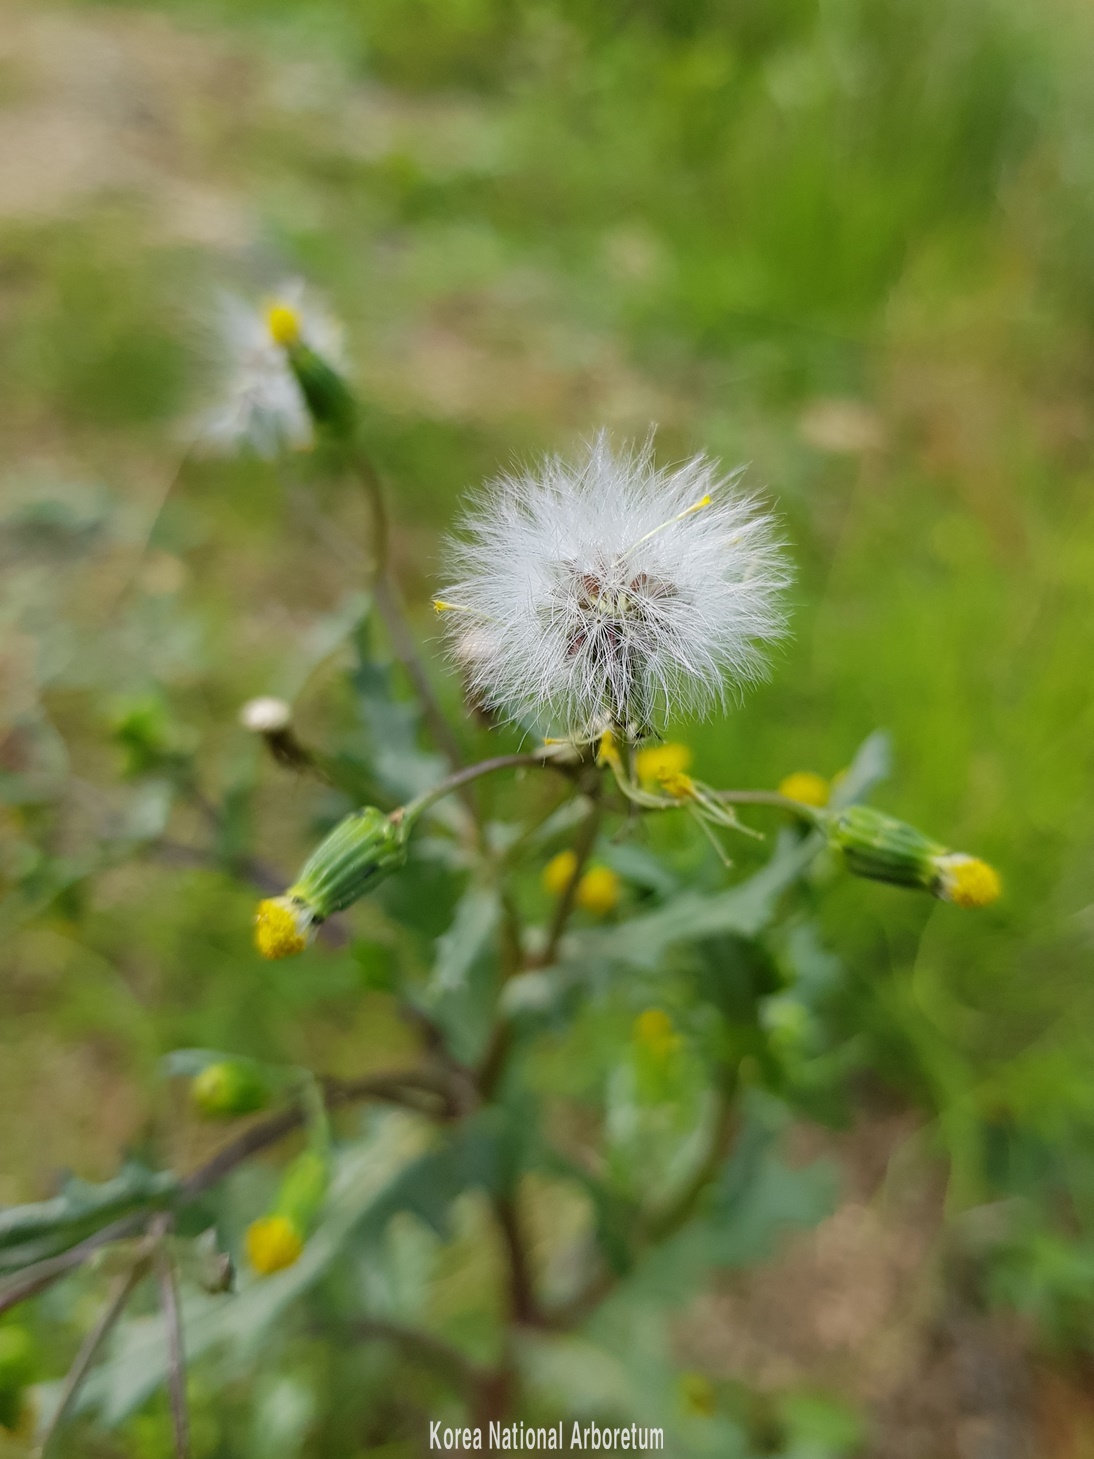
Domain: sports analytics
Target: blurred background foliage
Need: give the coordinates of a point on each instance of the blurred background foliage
(845, 241)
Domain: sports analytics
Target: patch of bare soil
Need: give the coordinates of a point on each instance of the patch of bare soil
(875, 1304)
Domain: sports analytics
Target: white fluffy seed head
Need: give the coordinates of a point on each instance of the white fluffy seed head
(261, 406)
(608, 593)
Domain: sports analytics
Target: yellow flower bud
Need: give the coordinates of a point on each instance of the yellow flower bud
(273, 1243)
(806, 787)
(283, 322)
(966, 880)
(558, 872)
(656, 763)
(283, 927)
(598, 891)
(655, 1032)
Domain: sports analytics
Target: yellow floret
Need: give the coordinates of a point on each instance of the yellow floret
(607, 752)
(656, 762)
(598, 891)
(678, 785)
(654, 1031)
(273, 1243)
(967, 881)
(558, 872)
(280, 928)
(283, 322)
(806, 787)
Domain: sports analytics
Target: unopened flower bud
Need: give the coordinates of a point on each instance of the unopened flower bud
(806, 787)
(276, 1240)
(273, 1243)
(559, 872)
(879, 846)
(598, 891)
(304, 1189)
(361, 850)
(327, 396)
(229, 1087)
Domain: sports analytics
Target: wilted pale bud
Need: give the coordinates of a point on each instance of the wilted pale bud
(272, 719)
(879, 846)
(361, 850)
(266, 715)
(227, 1088)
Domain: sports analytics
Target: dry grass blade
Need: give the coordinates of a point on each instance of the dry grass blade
(176, 1356)
(120, 1294)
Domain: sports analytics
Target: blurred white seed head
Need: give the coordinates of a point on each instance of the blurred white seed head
(261, 407)
(608, 593)
(265, 716)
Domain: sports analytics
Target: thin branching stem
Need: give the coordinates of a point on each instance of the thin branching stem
(435, 1094)
(176, 1354)
(389, 605)
(469, 773)
(120, 1294)
(424, 1346)
(658, 1226)
(583, 849)
(523, 1306)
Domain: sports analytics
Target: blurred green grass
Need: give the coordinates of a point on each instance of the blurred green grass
(844, 242)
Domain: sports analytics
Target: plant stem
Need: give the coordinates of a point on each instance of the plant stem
(582, 848)
(176, 1357)
(119, 1296)
(463, 777)
(659, 1226)
(768, 797)
(448, 1360)
(386, 596)
(523, 1307)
